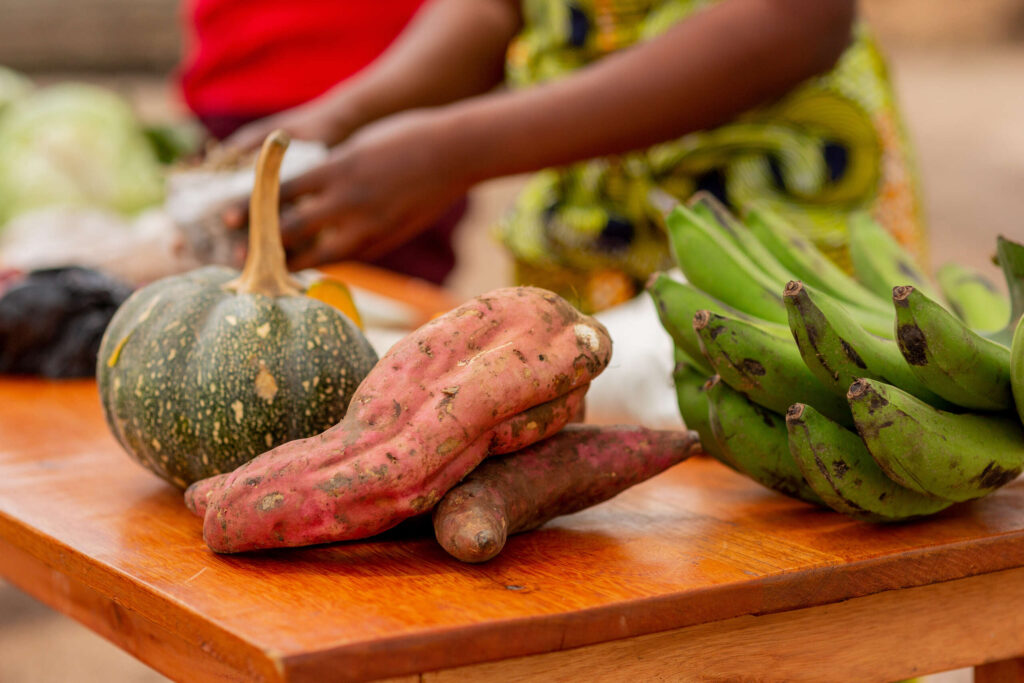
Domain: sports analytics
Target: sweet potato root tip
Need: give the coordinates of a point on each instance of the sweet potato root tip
(196, 496)
(471, 525)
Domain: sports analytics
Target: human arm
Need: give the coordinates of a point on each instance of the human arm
(701, 73)
(392, 178)
(452, 49)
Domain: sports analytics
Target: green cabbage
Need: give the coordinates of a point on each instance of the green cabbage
(75, 145)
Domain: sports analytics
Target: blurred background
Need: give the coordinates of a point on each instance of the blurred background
(958, 70)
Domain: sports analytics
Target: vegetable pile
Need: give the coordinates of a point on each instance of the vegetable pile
(491, 376)
(494, 376)
(200, 372)
(885, 397)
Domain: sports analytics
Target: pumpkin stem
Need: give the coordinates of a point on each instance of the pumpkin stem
(266, 271)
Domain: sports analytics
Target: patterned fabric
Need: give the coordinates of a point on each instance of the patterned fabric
(834, 145)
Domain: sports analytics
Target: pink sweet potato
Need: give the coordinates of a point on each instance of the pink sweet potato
(537, 423)
(419, 422)
(578, 467)
(512, 434)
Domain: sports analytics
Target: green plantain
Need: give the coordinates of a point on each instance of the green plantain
(766, 368)
(837, 465)
(713, 263)
(1010, 256)
(948, 357)
(1017, 368)
(972, 297)
(879, 261)
(808, 263)
(706, 206)
(693, 404)
(676, 302)
(838, 350)
(754, 438)
(947, 455)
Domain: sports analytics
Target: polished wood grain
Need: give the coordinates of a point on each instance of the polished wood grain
(887, 636)
(87, 530)
(1006, 671)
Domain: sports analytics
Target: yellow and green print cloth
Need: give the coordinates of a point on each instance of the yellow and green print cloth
(590, 231)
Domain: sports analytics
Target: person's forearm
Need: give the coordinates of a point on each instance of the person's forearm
(701, 73)
(452, 49)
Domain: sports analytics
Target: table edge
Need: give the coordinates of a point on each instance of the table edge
(554, 633)
(424, 650)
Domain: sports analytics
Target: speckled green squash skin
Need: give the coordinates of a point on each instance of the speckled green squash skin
(195, 379)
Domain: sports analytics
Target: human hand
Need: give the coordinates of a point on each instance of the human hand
(379, 189)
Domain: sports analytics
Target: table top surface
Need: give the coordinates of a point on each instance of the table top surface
(694, 545)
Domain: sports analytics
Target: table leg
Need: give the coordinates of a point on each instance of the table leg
(1006, 671)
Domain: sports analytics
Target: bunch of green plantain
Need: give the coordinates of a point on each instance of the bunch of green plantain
(884, 394)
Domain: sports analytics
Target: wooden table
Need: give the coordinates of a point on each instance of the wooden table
(697, 572)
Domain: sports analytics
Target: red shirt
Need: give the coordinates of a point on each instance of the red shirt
(249, 58)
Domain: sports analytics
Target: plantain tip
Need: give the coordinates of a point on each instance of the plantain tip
(701, 319)
(793, 288)
(655, 276)
(795, 412)
(858, 388)
(901, 292)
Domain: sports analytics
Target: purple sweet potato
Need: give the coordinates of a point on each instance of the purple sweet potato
(420, 421)
(578, 467)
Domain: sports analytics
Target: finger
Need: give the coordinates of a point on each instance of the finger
(304, 219)
(308, 258)
(400, 230)
(236, 214)
(331, 246)
(313, 180)
(386, 241)
(249, 136)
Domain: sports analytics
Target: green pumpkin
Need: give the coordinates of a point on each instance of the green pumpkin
(201, 372)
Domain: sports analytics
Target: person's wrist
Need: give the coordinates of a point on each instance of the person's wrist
(457, 146)
(343, 113)
(342, 121)
(462, 142)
